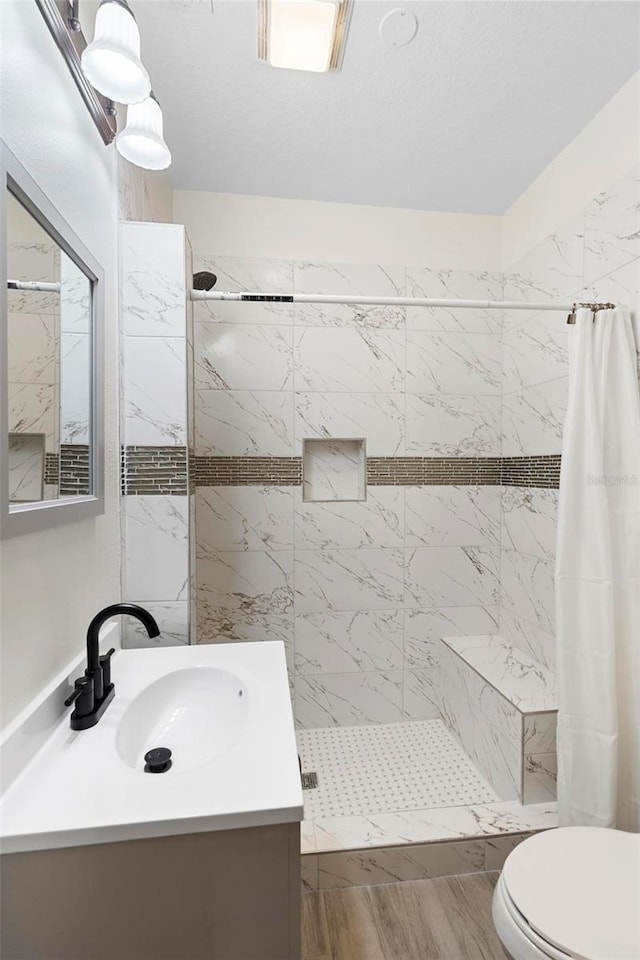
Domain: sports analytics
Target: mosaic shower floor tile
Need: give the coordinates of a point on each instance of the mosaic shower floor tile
(388, 767)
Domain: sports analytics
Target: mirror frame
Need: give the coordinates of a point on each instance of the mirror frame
(42, 515)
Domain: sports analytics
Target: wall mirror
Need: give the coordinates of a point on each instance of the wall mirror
(50, 343)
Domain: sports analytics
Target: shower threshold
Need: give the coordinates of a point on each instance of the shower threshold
(402, 801)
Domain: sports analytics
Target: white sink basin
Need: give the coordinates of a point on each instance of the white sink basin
(223, 709)
(197, 713)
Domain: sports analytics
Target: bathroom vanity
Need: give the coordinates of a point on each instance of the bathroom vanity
(104, 858)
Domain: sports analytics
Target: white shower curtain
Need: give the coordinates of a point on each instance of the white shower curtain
(598, 578)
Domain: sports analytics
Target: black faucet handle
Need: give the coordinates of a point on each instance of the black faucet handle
(105, 663)
(82, 696)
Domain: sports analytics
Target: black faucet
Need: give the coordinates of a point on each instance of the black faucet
(94, 691)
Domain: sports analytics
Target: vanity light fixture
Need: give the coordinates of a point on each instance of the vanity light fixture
(303, 34)
(111, 62)
(141, 141)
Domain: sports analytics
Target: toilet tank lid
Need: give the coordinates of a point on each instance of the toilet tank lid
(579, 889)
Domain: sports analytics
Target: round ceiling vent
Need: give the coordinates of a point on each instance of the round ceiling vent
(398, 28)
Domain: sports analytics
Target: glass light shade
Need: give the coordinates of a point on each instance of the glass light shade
(111, 62)
(301, 34)
(141, 141)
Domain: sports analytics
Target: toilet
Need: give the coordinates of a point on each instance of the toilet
(571, 894)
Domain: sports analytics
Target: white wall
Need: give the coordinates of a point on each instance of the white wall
(53, 582)
(243, 226)
(607, 148)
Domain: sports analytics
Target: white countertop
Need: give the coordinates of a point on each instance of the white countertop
(77, 789)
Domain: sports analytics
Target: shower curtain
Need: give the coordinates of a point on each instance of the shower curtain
(598, 578)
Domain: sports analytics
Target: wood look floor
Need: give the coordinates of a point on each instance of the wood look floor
(444, 919)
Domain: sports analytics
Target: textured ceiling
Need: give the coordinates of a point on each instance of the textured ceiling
(462, 119)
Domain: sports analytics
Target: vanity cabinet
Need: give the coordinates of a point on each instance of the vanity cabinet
(223, 895)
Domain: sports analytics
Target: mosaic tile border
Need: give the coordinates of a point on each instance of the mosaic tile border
(51, 469)
(154, 471)
(531, 471)
(75, 470)
(174, 470)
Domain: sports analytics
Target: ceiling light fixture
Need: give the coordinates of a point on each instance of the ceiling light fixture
(111, 62)
(303, 34)
(141, 141)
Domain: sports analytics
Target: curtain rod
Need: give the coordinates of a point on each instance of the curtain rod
(392, 301)
(36, 286)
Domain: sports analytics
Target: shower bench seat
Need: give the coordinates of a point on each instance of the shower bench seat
(501, 705)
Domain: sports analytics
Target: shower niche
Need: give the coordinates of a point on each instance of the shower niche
(334, 469)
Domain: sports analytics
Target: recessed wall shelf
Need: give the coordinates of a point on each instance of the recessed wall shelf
(334, 469)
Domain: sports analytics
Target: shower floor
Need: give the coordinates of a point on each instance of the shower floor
(402, 801)
(388, 767)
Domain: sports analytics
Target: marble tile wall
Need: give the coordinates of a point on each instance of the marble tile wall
(358, 590)
(33, 327)
(596, 256)
(156, 338)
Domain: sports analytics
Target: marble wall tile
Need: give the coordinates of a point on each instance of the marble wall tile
(365, 579)
(528, 588)
(620, 287)
(244, 423)
(157, 550)
(33, 408)
(497, 849)
(75, 298)
(344, 642)
(348, 698)
(253, 582)
(377, 521)
(231, 356)
(349, 279)
(379, 417)
(223, 625)
(348, 359)
(487, 727)
(453, 363)
(452, 426)
(453, 285)
(33, 261)
(612, 237)
(243, 518)
(422, 694)
(540, 733)
(540, 778)
(75, 387)
(432, 825)
(533, 419)
(25, 463)
(391, 864)
(522, 681)
(529, 521)
(309, 873)
(467, 694)
(32, 348)
(423, 630)
(173, 620)
(451, 576)
(250, 275)
(334, 470)
(552, 270)
(155, 391)
(153, 280)
(527, 636)
(452, 516)
(534, 351)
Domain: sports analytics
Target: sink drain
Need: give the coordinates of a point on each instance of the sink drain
(157, 760)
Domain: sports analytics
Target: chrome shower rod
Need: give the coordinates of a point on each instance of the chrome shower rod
(386, 301)
(35, 286)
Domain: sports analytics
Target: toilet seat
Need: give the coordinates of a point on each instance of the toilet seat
(571, 894)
